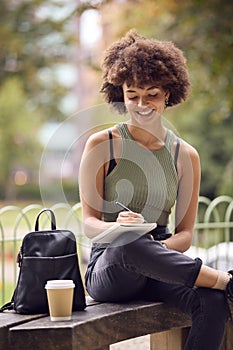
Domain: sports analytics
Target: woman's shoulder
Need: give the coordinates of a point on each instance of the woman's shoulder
(98, 137)
(188, 159)
(188, 155)
(187, 148)
(101, 137)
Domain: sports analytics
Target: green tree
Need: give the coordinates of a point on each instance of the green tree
(34, 41)
(17, 140)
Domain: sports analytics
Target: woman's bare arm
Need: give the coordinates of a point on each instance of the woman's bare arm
(187, 198)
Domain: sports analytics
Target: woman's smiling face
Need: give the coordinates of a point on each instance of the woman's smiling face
(144, 102)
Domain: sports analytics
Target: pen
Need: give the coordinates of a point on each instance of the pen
(122, 206)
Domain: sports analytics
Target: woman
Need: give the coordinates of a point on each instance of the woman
(146, 167)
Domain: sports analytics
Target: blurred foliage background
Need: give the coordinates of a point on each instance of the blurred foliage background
(39, 39)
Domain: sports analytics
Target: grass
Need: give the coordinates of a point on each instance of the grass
(9, 289)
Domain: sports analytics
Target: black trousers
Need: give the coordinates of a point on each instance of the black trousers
(145, 269)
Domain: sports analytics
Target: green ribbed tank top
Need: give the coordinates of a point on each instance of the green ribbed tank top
(143, 180)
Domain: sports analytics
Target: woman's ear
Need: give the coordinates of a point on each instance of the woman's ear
(167, 94)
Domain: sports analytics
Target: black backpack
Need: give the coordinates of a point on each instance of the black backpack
(45, 255)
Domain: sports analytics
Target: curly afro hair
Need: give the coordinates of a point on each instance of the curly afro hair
(136, 60)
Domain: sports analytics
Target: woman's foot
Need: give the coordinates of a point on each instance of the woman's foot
(229, 289)
(229, 293)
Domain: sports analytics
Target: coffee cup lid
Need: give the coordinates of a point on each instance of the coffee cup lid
(59, 284)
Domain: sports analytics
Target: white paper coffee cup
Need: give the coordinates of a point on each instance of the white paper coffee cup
(60, 299)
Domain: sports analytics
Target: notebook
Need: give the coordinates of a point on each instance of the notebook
(117, 230)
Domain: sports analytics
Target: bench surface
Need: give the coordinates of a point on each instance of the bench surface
(100, 325)
(11, 319)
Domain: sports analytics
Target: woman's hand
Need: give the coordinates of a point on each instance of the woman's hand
(129, 217)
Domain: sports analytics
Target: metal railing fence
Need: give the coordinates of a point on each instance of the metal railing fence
(213, 238)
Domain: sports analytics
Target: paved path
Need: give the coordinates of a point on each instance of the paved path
(140, 343)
